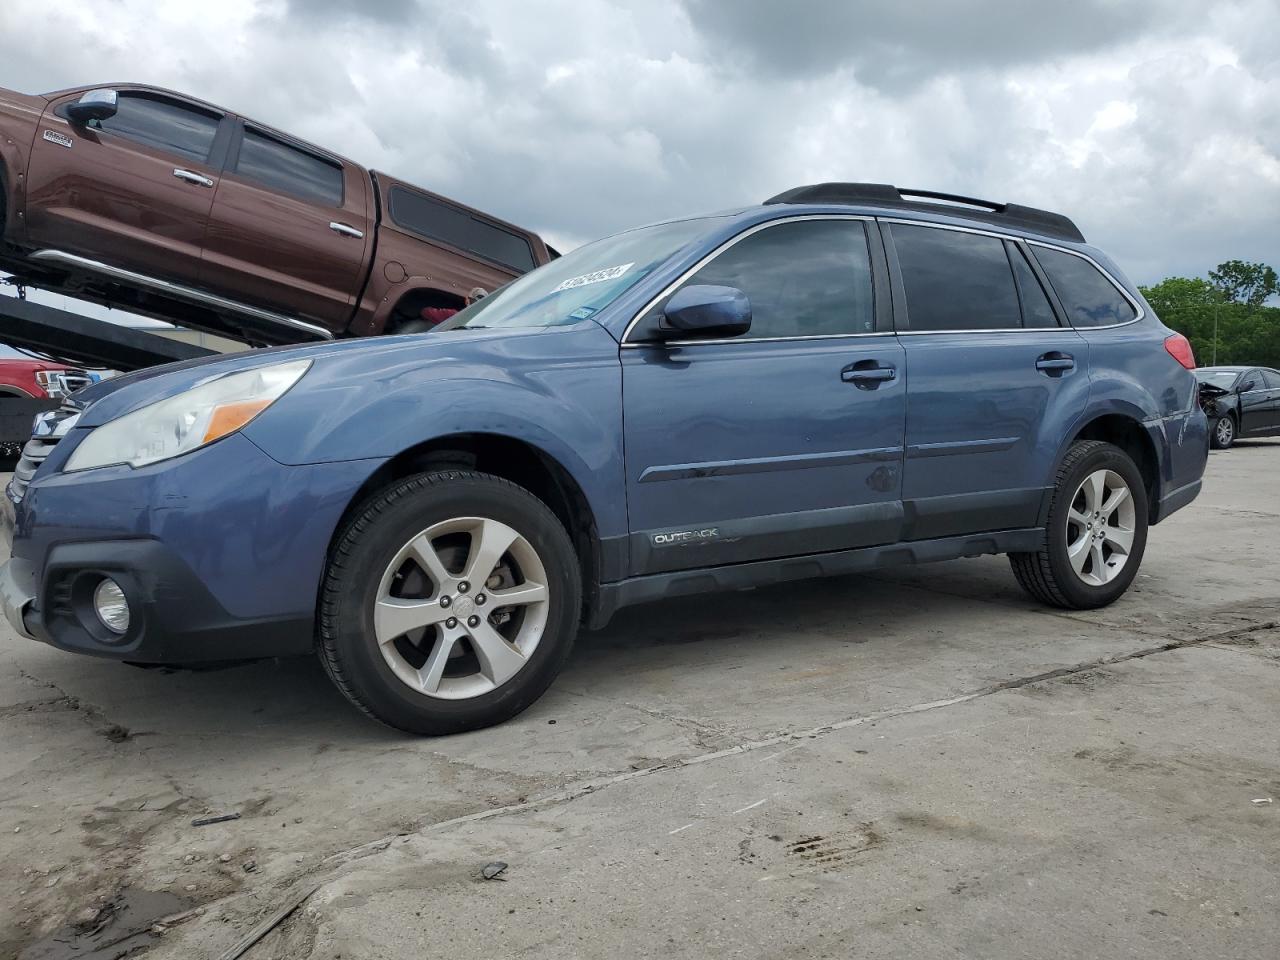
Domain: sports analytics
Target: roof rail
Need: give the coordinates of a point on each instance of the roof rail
(884, 194)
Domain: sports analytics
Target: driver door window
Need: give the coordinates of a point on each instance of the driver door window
(176, 129)
(804, 279)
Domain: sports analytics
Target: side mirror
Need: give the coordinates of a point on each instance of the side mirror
(94, 105)
(703, 310)
(1248, 385)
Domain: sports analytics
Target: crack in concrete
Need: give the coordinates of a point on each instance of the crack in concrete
(705, 734)
(103, 726)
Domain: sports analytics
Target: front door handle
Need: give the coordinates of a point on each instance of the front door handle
(190, 177)
(867, 374)
(345, 230)
(1055, 364)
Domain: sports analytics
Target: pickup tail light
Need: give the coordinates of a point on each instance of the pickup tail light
(1179, 348)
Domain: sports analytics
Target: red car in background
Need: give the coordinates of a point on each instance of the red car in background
(24, 381)
(39, 379)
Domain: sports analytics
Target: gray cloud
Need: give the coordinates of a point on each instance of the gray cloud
(393, 12)
(891, 44)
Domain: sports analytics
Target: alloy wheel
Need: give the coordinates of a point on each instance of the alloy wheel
(1100, 527)
(461, 608)
(1226, 430)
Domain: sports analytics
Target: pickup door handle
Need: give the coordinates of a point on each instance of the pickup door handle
(345, 229)
(190, 177)
(1055, 364)
(867, 374)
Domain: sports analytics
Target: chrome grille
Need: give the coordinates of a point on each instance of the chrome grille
(71, 382)
(48, 429)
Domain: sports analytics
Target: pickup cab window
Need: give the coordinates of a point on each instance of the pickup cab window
(288, 169)
(435, 220)
(163, 124)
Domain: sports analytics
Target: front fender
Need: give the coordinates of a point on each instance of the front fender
(558, 390)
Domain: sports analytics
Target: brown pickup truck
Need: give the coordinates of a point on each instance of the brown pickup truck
(160, 204)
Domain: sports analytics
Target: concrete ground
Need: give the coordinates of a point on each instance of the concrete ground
(916, 763)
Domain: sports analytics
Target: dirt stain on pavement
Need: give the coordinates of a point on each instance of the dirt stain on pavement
(122, 926)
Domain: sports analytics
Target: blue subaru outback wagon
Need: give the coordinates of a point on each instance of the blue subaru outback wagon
(845, 377)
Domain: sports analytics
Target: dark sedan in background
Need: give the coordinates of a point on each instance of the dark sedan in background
(1240, 402)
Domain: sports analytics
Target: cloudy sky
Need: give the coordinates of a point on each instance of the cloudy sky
(1154, 123)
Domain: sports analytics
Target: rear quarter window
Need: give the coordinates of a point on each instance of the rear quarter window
(1090, 299)
(435, 220)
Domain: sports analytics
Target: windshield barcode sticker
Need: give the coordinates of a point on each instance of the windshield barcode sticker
(598, 276)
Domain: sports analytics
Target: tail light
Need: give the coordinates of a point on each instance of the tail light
(1179, 348)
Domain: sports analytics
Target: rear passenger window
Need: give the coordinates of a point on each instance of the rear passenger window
(434, 220)
(1036, 311)
(1271, 379)
(809, 278)
(289, 170)
(1090, 299)
(955, 280)
(179, 130)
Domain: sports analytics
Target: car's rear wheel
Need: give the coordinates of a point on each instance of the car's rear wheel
(1224, 432)
(1096, 531)
(450, 603)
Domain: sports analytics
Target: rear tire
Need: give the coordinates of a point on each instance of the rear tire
(1096, 531)
(1223, 433)
(407, 636)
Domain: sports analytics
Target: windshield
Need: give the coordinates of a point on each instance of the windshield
(1219, 378)
(581, 283)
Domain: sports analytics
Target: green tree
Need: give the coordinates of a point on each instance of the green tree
(1243, 282)
(1221, 328)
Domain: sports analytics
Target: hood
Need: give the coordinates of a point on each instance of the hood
(109, 399)
(1208, 391)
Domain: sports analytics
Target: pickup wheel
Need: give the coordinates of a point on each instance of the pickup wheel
(1096, 531)
(450, 602)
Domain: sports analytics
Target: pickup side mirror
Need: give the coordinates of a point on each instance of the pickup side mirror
(705, 311)
(94, 105)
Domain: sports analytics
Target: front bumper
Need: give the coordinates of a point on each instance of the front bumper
(174, 617)
(219, 553)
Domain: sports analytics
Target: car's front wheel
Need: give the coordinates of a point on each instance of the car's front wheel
(1096, 531)
(1224, 432)
(450, 603)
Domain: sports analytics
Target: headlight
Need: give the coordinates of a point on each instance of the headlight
(183, 423)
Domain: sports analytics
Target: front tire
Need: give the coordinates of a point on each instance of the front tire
(1223, 434)
(1096, 532)
(450, 603)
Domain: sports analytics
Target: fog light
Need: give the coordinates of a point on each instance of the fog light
(110, 605)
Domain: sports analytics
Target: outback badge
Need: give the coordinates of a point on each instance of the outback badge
(685, 536)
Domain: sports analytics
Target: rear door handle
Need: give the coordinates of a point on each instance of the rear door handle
(345, 230)
(190, 177)
(867, 374)
(1055, 364)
